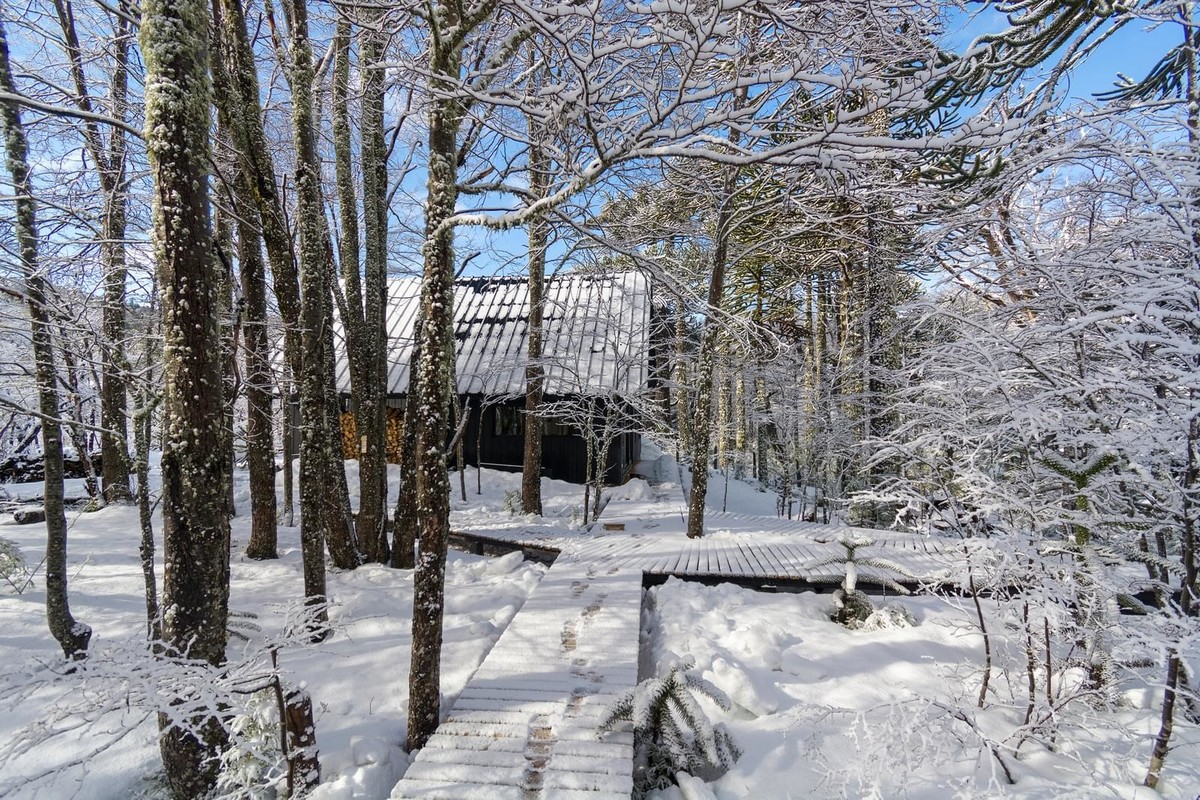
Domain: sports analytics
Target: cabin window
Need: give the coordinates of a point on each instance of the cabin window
(510, 421)
(555, 427)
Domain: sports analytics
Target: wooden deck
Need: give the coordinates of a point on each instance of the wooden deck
(526, 725)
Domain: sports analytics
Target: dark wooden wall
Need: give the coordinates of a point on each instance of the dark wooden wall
(564, 455)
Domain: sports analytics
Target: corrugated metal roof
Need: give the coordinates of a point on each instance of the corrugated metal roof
(597, 335)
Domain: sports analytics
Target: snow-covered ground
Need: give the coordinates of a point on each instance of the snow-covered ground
(822, 711)
(358, 679)
(819, 711)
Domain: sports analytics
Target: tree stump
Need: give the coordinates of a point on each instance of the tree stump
(304, 770)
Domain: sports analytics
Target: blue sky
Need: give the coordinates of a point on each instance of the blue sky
(1133, 51)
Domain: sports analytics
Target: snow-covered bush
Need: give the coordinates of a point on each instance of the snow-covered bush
(889, 618)
(671, 732)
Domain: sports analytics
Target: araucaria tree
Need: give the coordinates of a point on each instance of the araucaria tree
(195, 603)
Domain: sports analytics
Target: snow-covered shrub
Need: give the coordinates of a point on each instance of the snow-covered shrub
(888, 618)
(512, 502)
(12, 561)
(671, 732)
(253, 767)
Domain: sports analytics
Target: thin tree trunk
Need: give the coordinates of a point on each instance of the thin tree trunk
(683, 419)
(238, 100)
(145, 403)
(228, 316)
(141, 442)
(260, 447)
(706, 363)
(109, 163)
(405, 522)
(372, 406)
(531, 469)
(71, 635)
(317, 509)
(288, 435)
(339, 518)
(195, 522)
(75, 430)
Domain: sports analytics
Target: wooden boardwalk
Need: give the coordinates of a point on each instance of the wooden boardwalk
(737, 547)
(526, 725)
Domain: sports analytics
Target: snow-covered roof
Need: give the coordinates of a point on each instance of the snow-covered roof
(597, 335)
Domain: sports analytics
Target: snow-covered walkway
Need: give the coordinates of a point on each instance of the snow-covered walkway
(526, 725)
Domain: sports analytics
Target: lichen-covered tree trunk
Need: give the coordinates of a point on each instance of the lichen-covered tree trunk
(71, 635)
(430, 411)
(372, 414)
(531, 470)
(314, 432)
(174, 38)
(323, 515)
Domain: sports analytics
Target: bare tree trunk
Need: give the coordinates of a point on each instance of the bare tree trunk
(195, 522)
(531, 470)
(109, 163)
(240, 108)
(706, 363)
(143, 418)
(405, 522)
(75, 430)
(339, 519)
(683, 419)
(288, 435)
(71, 635)
(260, 447)
(228, 316)
(245, 122)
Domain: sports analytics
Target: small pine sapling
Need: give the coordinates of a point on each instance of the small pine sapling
(12, 561)
(671, 732)
(253, 767)
(852, 607)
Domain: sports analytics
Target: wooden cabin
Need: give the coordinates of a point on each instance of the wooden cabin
(597, 362)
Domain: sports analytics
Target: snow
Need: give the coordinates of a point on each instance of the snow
(358, 679)
(595, 338)
(818, 710)
(822, 711)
